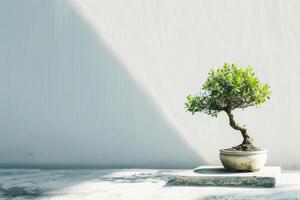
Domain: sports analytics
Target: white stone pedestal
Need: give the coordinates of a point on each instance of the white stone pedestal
(218, 176)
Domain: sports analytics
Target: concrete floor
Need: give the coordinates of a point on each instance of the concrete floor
(131, 184)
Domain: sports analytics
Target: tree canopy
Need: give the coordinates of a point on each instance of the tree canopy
(228, 88)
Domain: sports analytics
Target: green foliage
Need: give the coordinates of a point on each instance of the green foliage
(228, 88)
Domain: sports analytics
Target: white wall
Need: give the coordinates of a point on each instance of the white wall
(89, 83)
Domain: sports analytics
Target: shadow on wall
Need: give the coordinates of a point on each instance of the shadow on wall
(68, 102)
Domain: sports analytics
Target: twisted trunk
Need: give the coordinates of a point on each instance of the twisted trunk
(247, 142)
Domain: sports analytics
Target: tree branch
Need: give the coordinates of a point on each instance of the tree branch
(234, 125)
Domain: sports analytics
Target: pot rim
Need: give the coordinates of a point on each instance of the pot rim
(242, 153)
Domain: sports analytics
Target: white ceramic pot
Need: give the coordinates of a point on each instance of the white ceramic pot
(243, 160)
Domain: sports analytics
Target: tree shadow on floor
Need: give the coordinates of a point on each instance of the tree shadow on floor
(33, 183)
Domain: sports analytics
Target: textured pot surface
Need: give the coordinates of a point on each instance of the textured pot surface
(243, 160)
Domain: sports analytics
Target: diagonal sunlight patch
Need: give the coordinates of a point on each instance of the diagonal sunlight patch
(125, 35)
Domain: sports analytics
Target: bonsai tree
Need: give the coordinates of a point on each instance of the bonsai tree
(227, 89)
